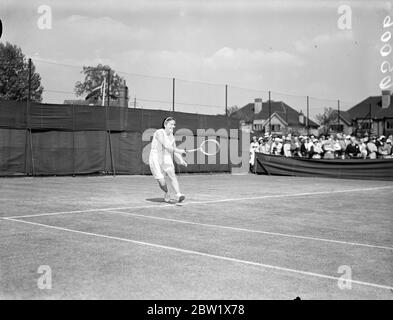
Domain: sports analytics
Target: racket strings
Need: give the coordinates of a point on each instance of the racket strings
(210, 147)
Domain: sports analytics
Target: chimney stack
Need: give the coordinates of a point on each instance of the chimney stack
(257, 105)
(123, 95)
(386, 98)
(301, 117)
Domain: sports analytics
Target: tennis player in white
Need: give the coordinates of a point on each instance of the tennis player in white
(163, 149)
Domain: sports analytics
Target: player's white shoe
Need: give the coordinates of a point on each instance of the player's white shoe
(180, 197)
(167, 197)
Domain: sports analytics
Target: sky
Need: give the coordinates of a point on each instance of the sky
(293, 48)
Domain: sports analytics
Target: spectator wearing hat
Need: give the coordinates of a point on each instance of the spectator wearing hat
(265, 146)
(390, 148)
(347, 141)
(295, 147)
(328, 148)
(353, 151)
(287, 147)
(372, 148)
(363, 148)
(315, 149)
(338, 151)
(321, 141)
(260, 144)
(309, 143)
(276, 147)
(383, 149)
(303, 146)
(341, 143)
(380, 141)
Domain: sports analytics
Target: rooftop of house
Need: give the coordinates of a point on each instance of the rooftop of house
(373, 103)
(287, 113)
(344, 115)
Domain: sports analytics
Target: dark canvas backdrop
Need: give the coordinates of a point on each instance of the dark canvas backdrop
(49, 139)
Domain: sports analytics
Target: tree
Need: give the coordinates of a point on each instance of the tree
(326, 118)
(94, 78)
(14, 75)
(232, 110)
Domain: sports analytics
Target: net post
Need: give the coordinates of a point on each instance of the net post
(142, 129)
(226, 100)
(307, 124)
(270, 113)
(28, 117)
(108, 130)
(371, 121)
(73, 140)
(173, 94)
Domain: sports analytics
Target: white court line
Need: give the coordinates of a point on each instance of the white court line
(203, 202)
(250, 230)
(318, 275)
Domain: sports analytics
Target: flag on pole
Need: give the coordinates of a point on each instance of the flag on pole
(97, 91)
(103, 92)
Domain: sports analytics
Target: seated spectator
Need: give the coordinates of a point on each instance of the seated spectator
(321, 141)
(347, 141)
(315, 149)
(363, 147)
(389, 147)
(353, 150)
(276, 147)
(267, 141)
(380, 141)
(328, 148)
(260, 141)
(287, 147)
(383, 150)
(372, 148)
(303, 146)
(261, 147)
(295, 147)
(340, 152)
(337, 148)
(309, 144)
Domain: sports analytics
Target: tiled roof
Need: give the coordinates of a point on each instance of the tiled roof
(287, 113)
(344, 115)
(362, 109)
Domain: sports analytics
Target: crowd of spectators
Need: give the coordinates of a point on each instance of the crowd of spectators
(336, 146)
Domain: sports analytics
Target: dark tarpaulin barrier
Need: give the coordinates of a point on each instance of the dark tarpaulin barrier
(53, 139)
(90, 149)
(12, 151)
(372, 169)
(53, 152)
(93, 118)
(13, 114)
(127, 153)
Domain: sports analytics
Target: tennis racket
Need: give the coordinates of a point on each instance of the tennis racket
(209, 147)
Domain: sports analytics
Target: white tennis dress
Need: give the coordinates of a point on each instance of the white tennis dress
(160, 159)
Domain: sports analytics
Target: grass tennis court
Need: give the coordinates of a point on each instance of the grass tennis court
(235, 237)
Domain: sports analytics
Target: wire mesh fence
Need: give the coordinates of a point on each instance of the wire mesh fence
(172, 94)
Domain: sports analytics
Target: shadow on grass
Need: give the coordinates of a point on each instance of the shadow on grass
(155, 199)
